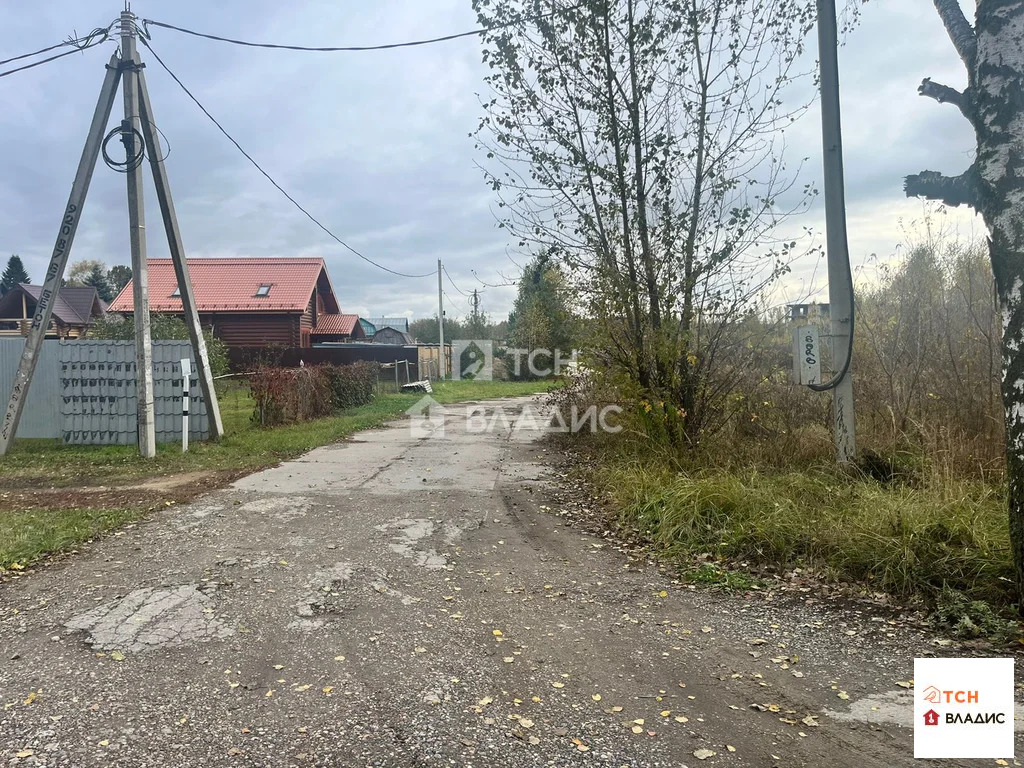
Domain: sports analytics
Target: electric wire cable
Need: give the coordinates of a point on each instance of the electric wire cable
(352, 48)
(270, 178)
(130, 163)
(53, 58)
(445, 270)
(77, 42)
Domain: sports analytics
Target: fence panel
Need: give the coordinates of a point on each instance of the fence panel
(41, 415)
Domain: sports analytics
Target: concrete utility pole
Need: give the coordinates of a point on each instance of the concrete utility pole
(177, 249)
(59, 257)
(442, 363)
(137, 229)
(840, 280)
(138, 113)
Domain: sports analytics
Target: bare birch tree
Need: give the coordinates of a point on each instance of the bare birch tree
(993, 101)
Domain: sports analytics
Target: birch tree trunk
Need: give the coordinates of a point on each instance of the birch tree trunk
(993, 52)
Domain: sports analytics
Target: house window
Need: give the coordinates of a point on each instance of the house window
(176, 294)
(263, 290)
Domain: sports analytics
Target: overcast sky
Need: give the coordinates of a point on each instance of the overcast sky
(376, 144)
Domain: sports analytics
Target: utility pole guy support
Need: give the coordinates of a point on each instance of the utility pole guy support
(59, 258)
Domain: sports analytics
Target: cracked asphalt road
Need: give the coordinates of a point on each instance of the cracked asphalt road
(397, 600)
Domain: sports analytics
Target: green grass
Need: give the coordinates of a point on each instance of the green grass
(26, 535)
(893, 538)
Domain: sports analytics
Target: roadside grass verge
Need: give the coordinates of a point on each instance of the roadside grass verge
(932, 542)
(245, 448)
(73, 476)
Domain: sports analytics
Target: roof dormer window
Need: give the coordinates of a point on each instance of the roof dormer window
(176, 294)
(263, 290)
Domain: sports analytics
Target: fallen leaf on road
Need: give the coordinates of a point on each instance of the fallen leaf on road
(534, 740)
(637, 729)
(730, 748)
(811, 720)
(756, 641)
(234, 751)
(421, 649)
(29, 753)
(558, 685)
(32, 697)
(484, 701)
(843, 695)
(704, 754)
(705, 630)
(596, 697)
(639, 721)
(105, 742)
(117, 656)
(279, 666)
(526, 722)
(270, 693)
(497, 633)
(905, 683)
(682, 719)
(327, 689)
(508, 659)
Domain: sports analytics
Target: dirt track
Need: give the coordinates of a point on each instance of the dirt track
(401, 600)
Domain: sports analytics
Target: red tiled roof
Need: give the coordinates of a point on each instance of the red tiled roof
(229, 284)
(342, 325)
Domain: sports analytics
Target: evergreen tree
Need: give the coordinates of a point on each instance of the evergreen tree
(541, 317)
(118, 277)
(13, 275)
(97, 279)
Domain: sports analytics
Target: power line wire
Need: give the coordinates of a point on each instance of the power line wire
(75, 41)
(353, 48)
(268, 176)
(445, 270)
(79, 44)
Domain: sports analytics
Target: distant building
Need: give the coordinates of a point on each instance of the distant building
(808, 313)
(388, 335)
(253, 302)
(74, 310)
(398, 323)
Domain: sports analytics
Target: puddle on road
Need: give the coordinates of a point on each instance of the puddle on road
(152, 618)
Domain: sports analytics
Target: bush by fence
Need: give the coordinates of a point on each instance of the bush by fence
(288, 395)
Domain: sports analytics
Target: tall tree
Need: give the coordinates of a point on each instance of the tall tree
(639, 143)
(80, 270)
(993, 101)
(541, 316)
(118, 277)
(14, 274)
(97, 278)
